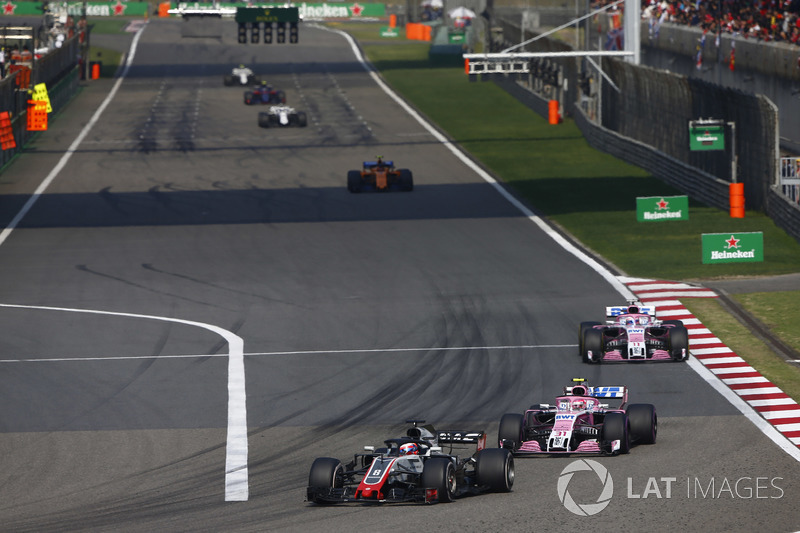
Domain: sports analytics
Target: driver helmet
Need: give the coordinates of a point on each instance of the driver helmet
(409, 448)
(241, 65)
(629, 321)
(579, 405)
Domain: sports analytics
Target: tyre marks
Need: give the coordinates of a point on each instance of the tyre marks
(330, 110)
(171, 123)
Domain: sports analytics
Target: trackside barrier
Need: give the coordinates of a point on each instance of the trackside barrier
(790, 178)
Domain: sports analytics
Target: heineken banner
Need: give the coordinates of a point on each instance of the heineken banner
(323, 10)
(659, 208)
(93, 9)
(733, 247)
(308, 11)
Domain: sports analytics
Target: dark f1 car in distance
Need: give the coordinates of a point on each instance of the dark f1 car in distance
(380, 175)
(633, 334)
(579, 424)
(264, 94)
(282, 116)
(242, 76)
(413, 468)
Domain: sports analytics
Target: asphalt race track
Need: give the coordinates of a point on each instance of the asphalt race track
(184, 227)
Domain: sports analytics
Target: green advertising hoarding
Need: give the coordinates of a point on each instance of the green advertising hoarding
(706, 137)
(75, 9)
(307, 11)
(733, 247)
(661, 208)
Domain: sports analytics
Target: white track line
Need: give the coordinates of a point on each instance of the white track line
(236, 476)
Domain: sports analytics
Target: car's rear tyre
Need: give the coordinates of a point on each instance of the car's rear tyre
(678, 343)
(582, 331)
(263, 120)
(510, 431)
(494, 468)
(325, 473)
(302, 119)
(440, 474)
(673, 322)
(248, 97)
(406, 180)
(615, 427)
(643, 422)
(592, 342)
(354, 181)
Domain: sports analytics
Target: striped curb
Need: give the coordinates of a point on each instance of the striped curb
(765, 398)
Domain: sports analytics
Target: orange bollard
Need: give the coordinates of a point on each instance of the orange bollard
(736, 198)
(552, 107)
(466, 65)
(163, 9)
(96, 71)
(392, 21)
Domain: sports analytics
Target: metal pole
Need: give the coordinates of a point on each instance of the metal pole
(733, 151)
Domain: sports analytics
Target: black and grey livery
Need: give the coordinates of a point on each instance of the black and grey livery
(390, 474)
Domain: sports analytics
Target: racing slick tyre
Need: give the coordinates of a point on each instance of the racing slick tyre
(510, 431)
(406, 180)
(494, 468)
(228, 80)
(248, 98)
(615, 427)
(302, 119)
(678, 343)
(326, 473)
(592, 342)
(440, 474)
(673, 322)
(354, 181)
(263, 120)
(582, 331)
(643, 422)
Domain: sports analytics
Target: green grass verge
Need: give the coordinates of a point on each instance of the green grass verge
(777, 311)
(784, 375)
(107, 25)
(590, 194)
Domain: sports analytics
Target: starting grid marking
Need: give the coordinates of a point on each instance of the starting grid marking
(774, 405)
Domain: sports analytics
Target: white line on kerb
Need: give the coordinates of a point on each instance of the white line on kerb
(236, 482)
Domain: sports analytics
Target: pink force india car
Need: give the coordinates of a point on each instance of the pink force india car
(579, 424)
(633, 333)
(413, 468)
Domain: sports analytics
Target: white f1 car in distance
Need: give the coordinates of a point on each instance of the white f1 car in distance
(282, 116)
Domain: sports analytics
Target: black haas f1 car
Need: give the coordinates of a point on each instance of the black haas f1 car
(413, 469)
(264, 94)
(282, 116)
(380, 175)
(579, 424)
(242, 76)
(633, 334)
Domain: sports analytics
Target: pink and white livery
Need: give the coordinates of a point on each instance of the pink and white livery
(579, 423)
(633, 333)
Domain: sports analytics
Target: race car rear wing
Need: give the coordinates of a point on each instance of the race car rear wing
(615, 311)
(461, 437)
(608, 392)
